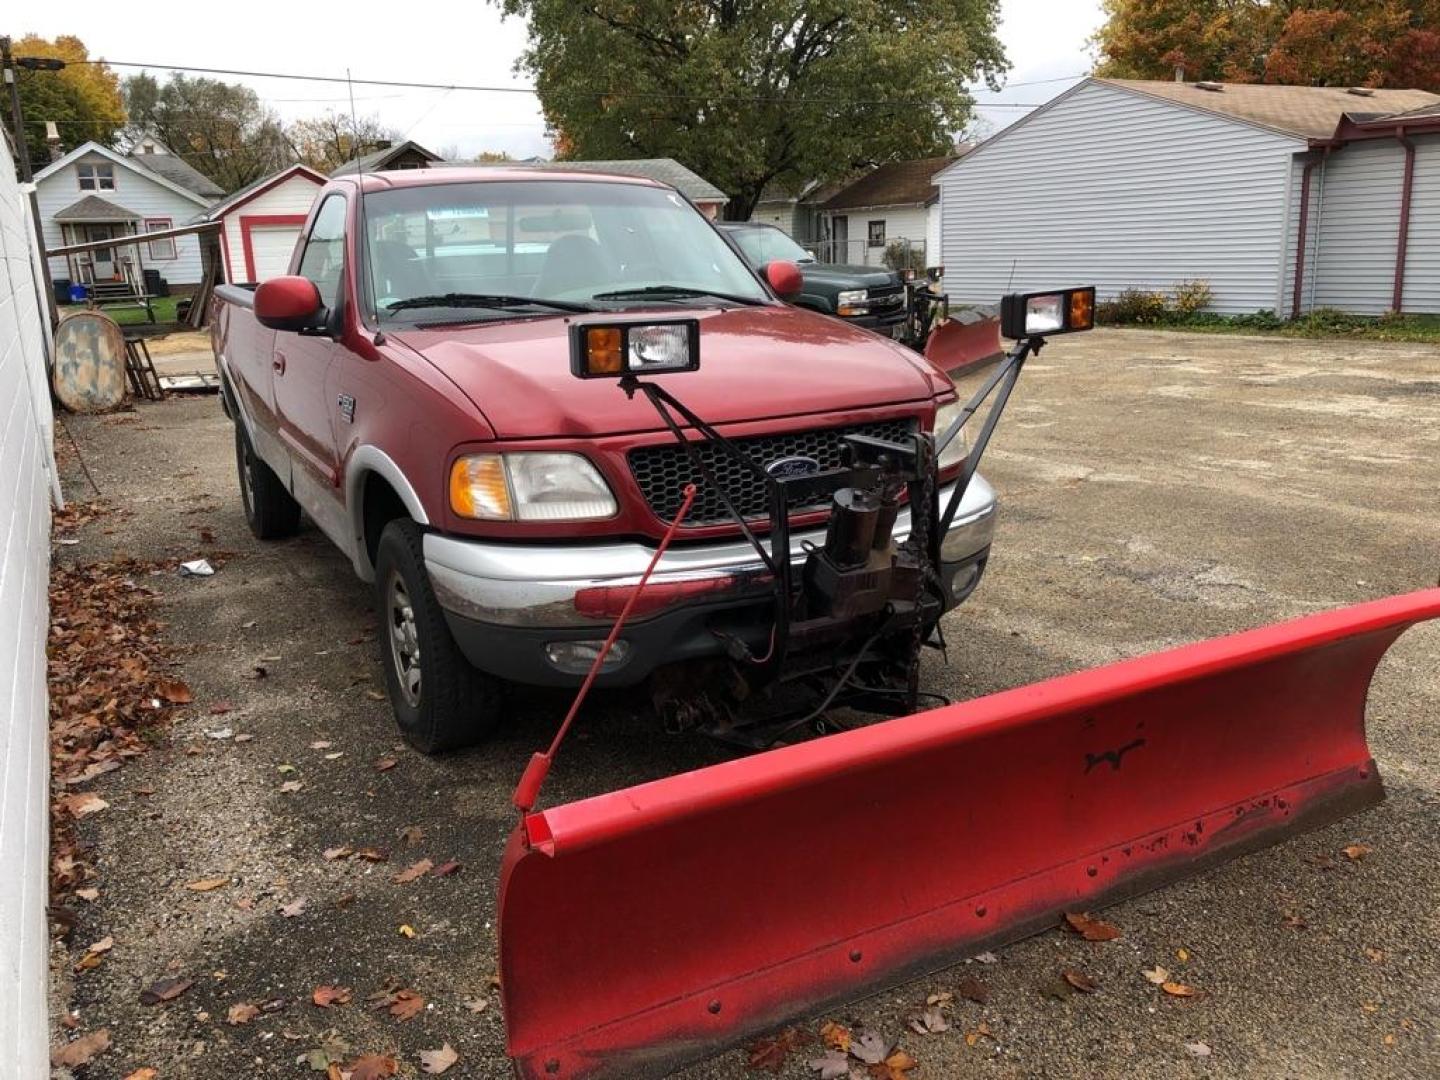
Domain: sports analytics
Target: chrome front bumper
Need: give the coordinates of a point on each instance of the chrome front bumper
(531, 585)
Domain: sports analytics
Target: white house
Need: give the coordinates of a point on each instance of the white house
(95, 193)
(894, 203)
(260, 223)
(1280, 197)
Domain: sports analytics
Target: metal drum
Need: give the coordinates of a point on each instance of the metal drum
(89, 362)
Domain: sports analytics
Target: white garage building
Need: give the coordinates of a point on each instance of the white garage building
(1285, 198)
(261, 222)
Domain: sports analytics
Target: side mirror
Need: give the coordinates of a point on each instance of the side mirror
(785, 278)
(289, 303)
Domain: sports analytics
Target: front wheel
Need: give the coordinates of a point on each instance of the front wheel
(440, 701)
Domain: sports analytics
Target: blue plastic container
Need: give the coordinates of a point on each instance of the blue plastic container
(78, 293)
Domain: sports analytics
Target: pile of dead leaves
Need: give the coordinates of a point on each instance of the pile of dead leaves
(108, 688)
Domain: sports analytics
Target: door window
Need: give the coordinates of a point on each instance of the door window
(325, 250)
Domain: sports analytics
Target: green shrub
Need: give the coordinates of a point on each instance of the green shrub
(1192, 297)
(1134, 307)
(1264, 319)
(900, 256)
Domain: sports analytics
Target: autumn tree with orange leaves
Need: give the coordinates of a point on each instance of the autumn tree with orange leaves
(1300, 42)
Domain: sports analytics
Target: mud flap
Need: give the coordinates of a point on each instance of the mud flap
(970, 337)
(658, 924)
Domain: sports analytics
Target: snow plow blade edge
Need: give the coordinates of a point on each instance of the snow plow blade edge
(652, 926)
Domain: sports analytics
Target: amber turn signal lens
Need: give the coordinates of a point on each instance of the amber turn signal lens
(603, 354)
(1082, 309)
(478, 488)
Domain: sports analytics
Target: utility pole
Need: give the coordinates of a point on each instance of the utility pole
(27, 178)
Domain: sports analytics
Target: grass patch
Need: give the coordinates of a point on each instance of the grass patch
(163, 306)
(1322, 323)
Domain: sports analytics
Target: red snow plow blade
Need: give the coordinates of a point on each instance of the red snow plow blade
(968, 338)
(659, 924)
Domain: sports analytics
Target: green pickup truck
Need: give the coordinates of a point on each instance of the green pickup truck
(868, 296)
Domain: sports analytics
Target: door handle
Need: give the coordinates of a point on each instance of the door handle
(278, 363)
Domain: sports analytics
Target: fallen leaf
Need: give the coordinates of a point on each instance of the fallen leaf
(207, 884)
(335, 755)
(82, 1049)
(870, 1048)
(942, 998)
(476, 1004)
(894, 1067)
(248, 625)
(1182, 954)
(1175, 989)
(342, 852)
(406, 930)
(321, 744)
(81, 805)
(411, 834)
(973, 990)
(371, 854)
(1322, 860)
(1198, 1049)
(88, 895)
(1157, 975)
(835, 1065)
(372, 1067)
(973, 1037)
(1089, 928)
(1375, 956)
(374, 695)
(445, 869)
(930, 1022)
(770, 1053)
(290, 786)
(835, 1036)
(413, 871)
(146, 1073)
(163, 990)
(326, 996)
(437, 1061)
(1080, 981)
(242, 1013)
(986, 958)
(385, 764)
(294, 908)
(220, 708)
(1356, 852)
(220, 734)
(1294, 921)
(174, 691)
(245, 737)
(406, 1005)
(93, 954)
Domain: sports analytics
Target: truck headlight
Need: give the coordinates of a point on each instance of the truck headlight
(852, 302)
(954, 453)
(529, 486)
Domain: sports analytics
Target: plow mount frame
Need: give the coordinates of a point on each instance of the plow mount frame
(649, 927)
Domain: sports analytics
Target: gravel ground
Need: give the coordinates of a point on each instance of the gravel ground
(1157, 488)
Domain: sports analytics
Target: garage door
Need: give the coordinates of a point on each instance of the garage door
(270, 246)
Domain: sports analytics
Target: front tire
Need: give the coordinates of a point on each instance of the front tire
(440, 701)
(270, 510)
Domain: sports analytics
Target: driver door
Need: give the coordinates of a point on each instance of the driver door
(302, 366)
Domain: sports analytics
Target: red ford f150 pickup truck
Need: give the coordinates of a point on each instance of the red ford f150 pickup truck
(409, 386)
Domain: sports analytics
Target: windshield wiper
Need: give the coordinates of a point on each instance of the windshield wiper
(484, 300)
(641, 292)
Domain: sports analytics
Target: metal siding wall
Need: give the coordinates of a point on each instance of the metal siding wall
(1422, 263)
(26, 475)
(1356, 228)
(1110, 188)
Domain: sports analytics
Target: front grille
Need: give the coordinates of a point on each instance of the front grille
(886, 298)
(663, 471)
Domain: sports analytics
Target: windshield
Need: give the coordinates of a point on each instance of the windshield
(546, 241)
(763, 246)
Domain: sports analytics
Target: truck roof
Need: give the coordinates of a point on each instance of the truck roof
(470, 174)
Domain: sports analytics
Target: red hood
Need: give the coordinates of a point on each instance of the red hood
(756, 363)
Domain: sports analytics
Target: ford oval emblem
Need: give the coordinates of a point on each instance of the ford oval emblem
(796, 465)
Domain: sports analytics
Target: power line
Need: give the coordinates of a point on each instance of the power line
(244, 73)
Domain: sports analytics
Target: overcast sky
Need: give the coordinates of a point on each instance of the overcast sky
(445, 42)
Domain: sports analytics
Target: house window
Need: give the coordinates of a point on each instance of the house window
(160, 249)
(877, 234)
(96, 176)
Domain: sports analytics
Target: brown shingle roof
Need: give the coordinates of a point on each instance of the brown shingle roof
(94, 208)
(1311, 112)
(896, 183)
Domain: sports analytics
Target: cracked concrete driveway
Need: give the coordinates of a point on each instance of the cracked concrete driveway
(1157, 488)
